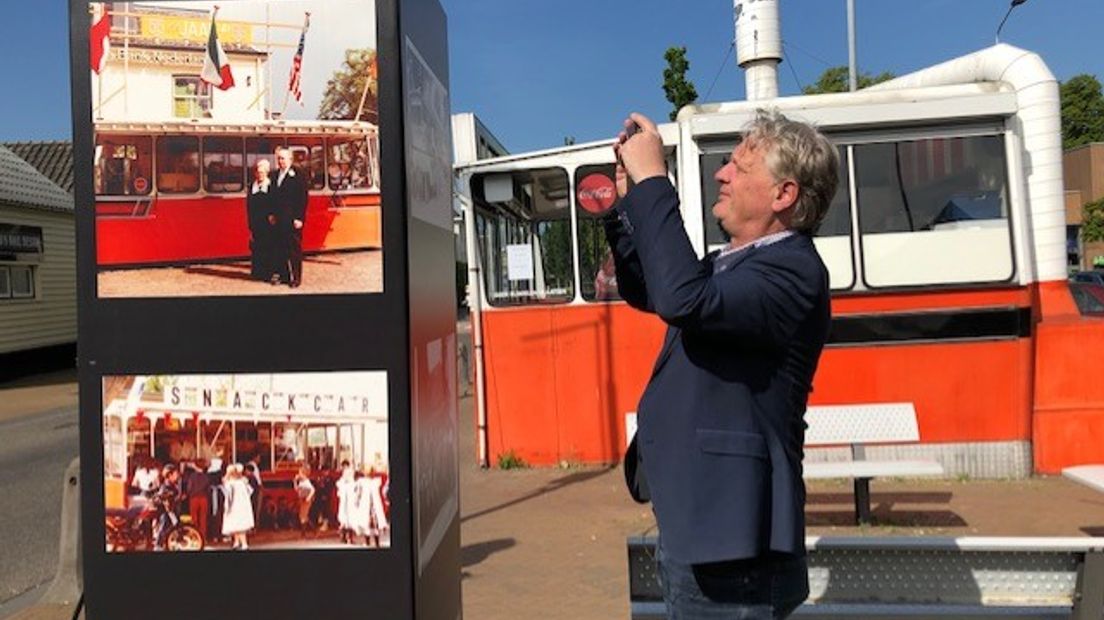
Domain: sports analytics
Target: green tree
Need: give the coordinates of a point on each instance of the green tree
(834, 80)
(679, 90)
(1082, 111)
(1092, 222)
(345, 89)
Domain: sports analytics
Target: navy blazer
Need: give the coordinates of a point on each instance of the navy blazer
(720, 423)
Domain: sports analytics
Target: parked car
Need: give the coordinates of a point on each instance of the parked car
(1089, 297)
(1095, 277)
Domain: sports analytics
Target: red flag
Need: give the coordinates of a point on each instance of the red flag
(216, 66)
(99, 41)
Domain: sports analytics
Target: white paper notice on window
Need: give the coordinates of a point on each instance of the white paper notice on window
(519, 262)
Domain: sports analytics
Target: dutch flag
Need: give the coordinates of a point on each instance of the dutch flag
(216, 67)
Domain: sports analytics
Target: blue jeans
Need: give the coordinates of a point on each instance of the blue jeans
(759, 589)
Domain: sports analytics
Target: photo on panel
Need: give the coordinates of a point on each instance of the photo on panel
(236, 148)
(246, 462)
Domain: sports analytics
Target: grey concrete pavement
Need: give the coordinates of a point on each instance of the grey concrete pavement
(34, 452)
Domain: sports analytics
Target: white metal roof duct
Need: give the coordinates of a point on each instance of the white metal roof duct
(1039, 120)
(758, 46)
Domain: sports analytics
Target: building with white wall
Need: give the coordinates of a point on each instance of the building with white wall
(38, 287)
(154, 63)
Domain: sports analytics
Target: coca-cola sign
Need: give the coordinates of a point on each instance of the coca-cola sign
(596, 193)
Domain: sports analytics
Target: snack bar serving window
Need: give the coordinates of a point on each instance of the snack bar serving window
(524, 231)
(178, 164)
(123, 165)
(595, 195)
(223, 165)
(309, 155)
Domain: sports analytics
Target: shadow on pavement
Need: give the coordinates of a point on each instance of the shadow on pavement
(228, 273)
(918, 497)
(473, 554)
(550, 487)
(57, 377)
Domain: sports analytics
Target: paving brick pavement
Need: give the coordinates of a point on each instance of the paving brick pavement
(550, 543)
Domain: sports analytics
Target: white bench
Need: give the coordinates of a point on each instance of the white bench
(1091, 476)
(924, 577)
(858, 426)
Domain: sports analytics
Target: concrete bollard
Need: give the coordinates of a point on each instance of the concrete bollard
(67, 584)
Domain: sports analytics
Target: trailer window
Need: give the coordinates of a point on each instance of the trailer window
(223, 165)
(833, 237)
(178, 164)
(122, 165)
(524, 232)
(257, 149)
(595, 195)
(934, 211)
(349, 166)
(309, 155)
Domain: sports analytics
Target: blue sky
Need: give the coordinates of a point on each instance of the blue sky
(535, 72)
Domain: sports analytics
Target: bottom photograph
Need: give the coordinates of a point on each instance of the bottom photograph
(246, 462)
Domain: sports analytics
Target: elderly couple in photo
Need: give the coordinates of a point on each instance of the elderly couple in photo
(276, 208)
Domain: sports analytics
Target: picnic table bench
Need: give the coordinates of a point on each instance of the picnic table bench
(923, 577)
(858, 426)
(1091, 476)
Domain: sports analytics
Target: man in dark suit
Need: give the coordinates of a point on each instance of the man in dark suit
(719, 443)
(289, 195)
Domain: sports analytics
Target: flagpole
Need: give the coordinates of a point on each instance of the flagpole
(126, 62)
(268, 65)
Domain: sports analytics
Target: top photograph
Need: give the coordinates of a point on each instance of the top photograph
(236, 148)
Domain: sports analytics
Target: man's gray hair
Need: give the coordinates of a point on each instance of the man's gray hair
(797, 151)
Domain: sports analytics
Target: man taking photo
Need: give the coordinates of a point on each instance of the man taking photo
(718, 449)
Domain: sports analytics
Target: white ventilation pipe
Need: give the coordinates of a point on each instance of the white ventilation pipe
(1039, 119)
(758, 46)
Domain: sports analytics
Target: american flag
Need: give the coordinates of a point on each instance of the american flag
(296, 81)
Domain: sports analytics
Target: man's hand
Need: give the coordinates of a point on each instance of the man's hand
(297, 224)
(641, 154)
(621, 180)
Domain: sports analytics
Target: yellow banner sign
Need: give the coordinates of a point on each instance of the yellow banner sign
(172, 28)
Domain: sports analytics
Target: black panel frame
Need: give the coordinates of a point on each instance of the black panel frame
(235, 334)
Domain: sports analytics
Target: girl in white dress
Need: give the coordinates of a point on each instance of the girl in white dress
(346, 500)
(238, 516)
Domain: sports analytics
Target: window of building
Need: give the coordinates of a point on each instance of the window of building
(17, 281)
(595, 195)
(192, 97)
(934, 211)
(178, 164)
(22, 281)
(524, 236)
(349, 164)
(122, 165)
(223, 165)
(309, 155)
